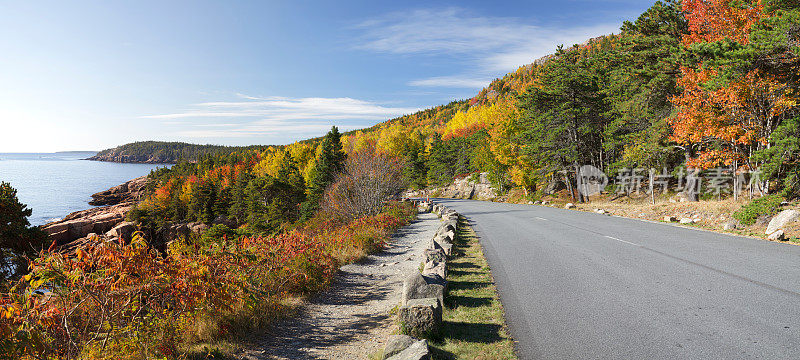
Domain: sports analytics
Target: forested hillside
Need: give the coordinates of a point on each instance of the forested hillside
(701, 84)
(698, 84)
(160, 152)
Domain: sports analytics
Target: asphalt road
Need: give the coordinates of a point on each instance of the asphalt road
(578, 285)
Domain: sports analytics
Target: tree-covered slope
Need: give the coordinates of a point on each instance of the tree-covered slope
(161, 152)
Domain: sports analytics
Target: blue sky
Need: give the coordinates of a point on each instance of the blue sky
(88, 75)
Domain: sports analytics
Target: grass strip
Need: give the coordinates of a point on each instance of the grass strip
(474, 325)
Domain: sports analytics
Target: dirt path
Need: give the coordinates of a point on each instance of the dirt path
(352, 319)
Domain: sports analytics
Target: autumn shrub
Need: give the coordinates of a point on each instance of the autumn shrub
(127, 301)
(361, 189)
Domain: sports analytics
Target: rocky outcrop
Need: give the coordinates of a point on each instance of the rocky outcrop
(126, 192)
(118, 200)
(469, 187)
(79, 224)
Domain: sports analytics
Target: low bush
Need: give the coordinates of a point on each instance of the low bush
(764, 206)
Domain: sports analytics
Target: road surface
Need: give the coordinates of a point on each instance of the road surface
(578, 285)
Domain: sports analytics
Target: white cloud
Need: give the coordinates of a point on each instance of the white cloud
(491, 46)
(276, 115)
(451, 81)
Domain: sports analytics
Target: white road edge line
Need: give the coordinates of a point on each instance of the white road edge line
(620, 240)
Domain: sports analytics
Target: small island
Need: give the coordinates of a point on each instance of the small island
(162, 152)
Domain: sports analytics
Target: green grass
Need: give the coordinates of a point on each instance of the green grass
(474, 326)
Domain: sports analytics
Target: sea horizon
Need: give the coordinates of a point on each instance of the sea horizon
(55, 184)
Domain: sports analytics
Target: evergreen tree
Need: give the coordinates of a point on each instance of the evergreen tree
(18, 239)
(451, 158)
(565, 117)
(270, 203)
(641, 83)
(329, 162)
(238, 209)
(415, 170)
(201, 206)
(289, 173)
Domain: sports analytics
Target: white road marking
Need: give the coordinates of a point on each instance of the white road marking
(620, 240)
(541, 218)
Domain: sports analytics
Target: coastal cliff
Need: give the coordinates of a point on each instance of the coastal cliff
(107, 222)
(126, 192)
(104, 220)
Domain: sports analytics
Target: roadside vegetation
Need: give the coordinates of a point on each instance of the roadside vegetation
(474, 324)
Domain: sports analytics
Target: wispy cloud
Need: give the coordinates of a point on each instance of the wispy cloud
(276, 115)
(490, 45)
(451, 81)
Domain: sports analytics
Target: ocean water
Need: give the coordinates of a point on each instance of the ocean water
(56, 184)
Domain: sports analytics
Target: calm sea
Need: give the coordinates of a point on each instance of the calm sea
(56, 184)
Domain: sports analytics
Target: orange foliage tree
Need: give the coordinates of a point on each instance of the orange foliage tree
(726, 111)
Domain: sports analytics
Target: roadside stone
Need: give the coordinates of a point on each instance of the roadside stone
(424, 207)
(421, 317)
(434, 245)
(449, 225)
(669, 219)
(435, 268)
(686, 220)
(448, 248)
(730, 225)
(417, 351)
(778, 235)
(396, 344)
(417, 286)
(784, 218)
(435, 255)
(569, 206)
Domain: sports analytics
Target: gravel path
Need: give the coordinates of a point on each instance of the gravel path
(352, 319)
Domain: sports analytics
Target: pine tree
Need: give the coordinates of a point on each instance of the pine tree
(271, 202)
(201, 206)
(238, 208)
(17, 238)
(329, 162)
(564, 118)
(289, 173)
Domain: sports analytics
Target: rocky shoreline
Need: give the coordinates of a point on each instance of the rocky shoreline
(107, 220)
(133, 159)
(126, 192)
